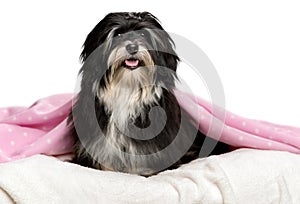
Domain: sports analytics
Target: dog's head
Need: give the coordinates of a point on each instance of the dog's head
(131, 49)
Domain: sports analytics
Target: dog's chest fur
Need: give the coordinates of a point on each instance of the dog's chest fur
(124, 106)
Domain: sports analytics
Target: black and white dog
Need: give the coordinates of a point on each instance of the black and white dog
(126, 117)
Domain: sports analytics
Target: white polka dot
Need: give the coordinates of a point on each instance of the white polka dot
(269, 144)
(244, 123)
(241, 138)
(60, 113)
(8, 159)
(44, 128)
(232, 116)
(49, 141)
(202, 117)
(270, 137)
(63, 147)
(256, 130)
(32, 145)
(19, 110)
(200, 108)
(25, 134)
(29, 118)
(191, 106)
(45, 117)
(0, 150)
(9, 130)
(14, 118)
(276, 129)
(5, 111)
(12, 143)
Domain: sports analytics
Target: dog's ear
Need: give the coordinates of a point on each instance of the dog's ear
(97, 36)
(165, 48)
(162, 41)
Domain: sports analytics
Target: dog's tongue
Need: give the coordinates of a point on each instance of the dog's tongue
(132, 63)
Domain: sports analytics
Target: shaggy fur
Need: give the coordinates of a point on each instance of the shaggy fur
(126, 117)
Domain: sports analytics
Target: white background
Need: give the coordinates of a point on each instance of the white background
(254, 45)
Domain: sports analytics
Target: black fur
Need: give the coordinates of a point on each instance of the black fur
(88, 107)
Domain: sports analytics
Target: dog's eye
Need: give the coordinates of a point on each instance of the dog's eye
(118, 35)
(142, 33)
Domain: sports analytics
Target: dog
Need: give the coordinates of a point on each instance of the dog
(125, 117)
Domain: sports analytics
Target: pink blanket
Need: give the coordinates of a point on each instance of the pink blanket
(39, 129)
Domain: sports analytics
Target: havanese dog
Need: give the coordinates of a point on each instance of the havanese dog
(126, 117)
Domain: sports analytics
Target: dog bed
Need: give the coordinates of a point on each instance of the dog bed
(242, 176)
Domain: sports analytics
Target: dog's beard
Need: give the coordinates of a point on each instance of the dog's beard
(128, 89)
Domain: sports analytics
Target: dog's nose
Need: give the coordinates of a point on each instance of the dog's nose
(132, 48)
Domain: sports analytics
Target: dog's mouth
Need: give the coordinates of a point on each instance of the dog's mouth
(132, 63)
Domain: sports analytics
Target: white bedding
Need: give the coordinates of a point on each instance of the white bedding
(242, 176)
